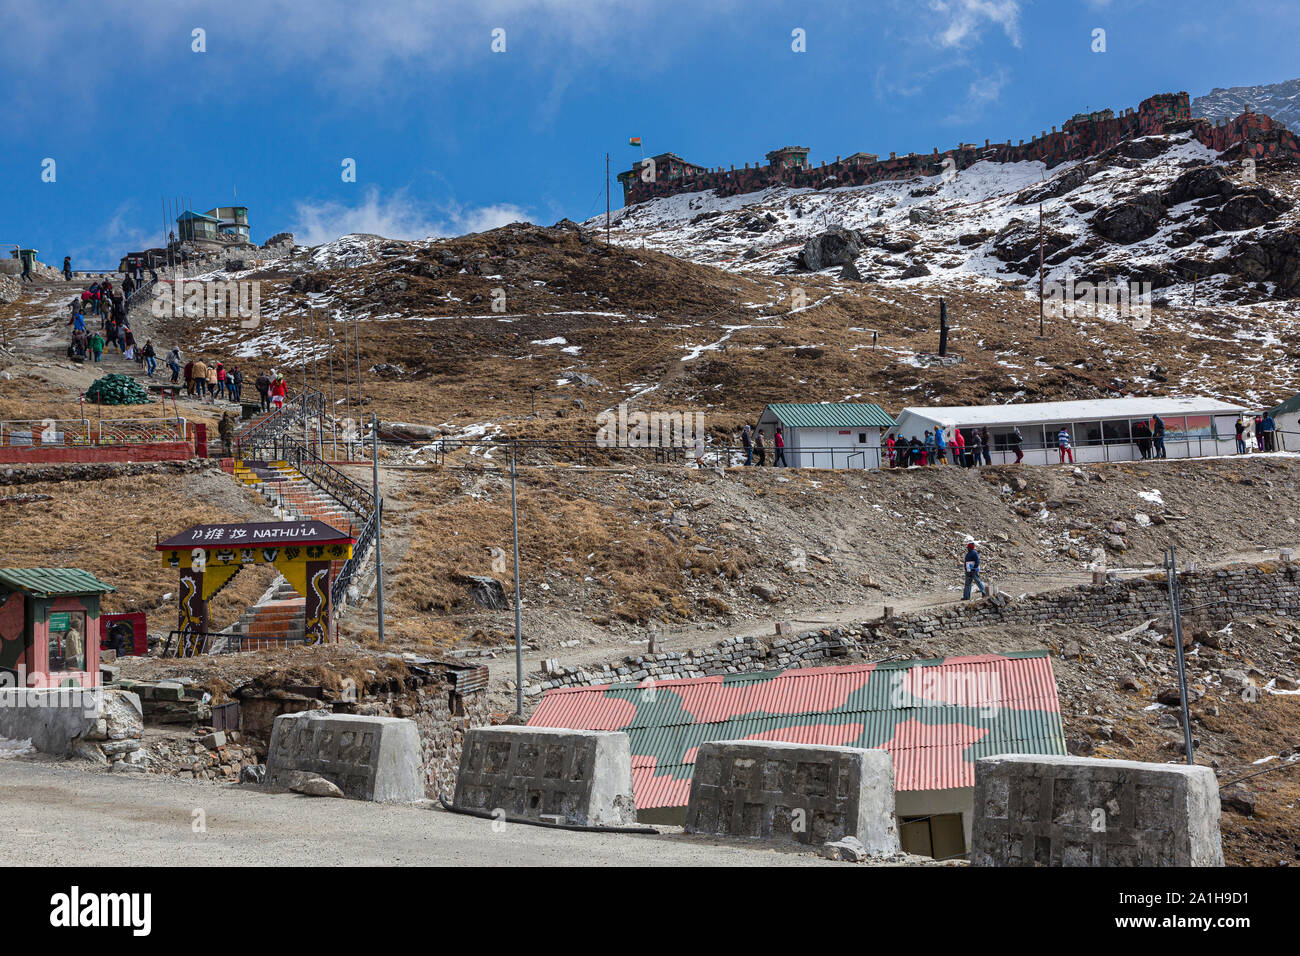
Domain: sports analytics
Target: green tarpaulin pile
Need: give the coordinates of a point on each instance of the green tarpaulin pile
(117, 390)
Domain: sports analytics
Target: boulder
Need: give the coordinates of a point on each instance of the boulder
(316, 787)
(834, 247)
(1248, 210)
(1130, 220)
(1198, 183)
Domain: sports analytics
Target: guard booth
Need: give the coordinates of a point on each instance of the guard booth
(45, 616)
(124, 634)
(208, 556)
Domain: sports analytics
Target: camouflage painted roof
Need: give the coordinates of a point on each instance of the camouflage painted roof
(935, 717)
(52, 582)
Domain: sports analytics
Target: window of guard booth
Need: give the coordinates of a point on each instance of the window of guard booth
(67, 641)
(1116, 433)
(1054, 434)
(1086, 433)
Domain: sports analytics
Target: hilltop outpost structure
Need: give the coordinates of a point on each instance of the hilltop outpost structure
(824, 435)
(1085, 134)
(215, 229)
(934, 717)
(1105, 429)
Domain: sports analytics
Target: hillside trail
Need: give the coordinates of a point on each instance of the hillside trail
(812, 616)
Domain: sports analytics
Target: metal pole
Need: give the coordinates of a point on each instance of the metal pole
(302, 344)
(1176, 616)
(356, 345)
(315, 373)
(607, 199)
(519, 619)
(334, 431)
(347, 391)
(1040, 270)
(379, 524)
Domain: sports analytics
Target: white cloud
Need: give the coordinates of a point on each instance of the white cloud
(395, 216)
(962, 21)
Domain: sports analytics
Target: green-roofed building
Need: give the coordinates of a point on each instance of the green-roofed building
(1286, 420)
(825, 434)
(49, 627)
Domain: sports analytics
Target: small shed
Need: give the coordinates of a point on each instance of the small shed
(825, 435)
(45, 617)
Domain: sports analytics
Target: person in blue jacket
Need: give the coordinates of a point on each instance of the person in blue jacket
(973, 572)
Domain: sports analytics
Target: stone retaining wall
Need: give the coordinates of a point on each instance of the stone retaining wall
(1210, 597)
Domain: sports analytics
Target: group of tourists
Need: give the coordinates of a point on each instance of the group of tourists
(101, 300)
(964, 447)
(756, 446)
(216, 382)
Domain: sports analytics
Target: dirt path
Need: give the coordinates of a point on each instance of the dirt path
(502, 667)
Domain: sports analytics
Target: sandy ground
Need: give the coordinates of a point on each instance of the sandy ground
(102, 819)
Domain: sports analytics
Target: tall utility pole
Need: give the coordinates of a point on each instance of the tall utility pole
(356, 345)
(519, 614)
(334, 430)
(1175, 613)
(347, 394)
(607, 199)
(1040, 270)
(379, 524)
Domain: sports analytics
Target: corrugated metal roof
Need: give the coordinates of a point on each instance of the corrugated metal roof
(1056, 413)
(1290, 405)
(935, 717)
(53, 582)
(828, 415)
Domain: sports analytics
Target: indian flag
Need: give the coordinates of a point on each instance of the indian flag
(634, 141)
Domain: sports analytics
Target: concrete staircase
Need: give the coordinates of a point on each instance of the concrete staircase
(290, 492)
(278, 617)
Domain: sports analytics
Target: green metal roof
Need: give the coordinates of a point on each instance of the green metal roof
(1290, 405)
(53, 582)
(826, 415)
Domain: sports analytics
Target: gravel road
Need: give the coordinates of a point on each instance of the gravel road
(65, 816)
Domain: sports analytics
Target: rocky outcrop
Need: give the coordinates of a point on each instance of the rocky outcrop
(1130, 220)
(1274, 257)
(834, 247)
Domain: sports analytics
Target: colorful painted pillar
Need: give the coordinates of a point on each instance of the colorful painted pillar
(192, 620)
(320, 615)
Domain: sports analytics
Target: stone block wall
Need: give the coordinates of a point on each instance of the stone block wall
(735, 655)
(1075, 140)
(1038, 810)
(368, 758)
(794, 793)
(580, 777)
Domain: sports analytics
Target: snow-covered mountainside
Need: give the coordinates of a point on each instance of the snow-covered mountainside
(1279, 100)
(1160, 209)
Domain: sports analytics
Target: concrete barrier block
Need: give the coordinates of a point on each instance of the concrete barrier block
(1041, 810)
(583, 777)
(368, 758)
(796, 793)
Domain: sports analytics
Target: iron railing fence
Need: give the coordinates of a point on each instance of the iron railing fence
(61, 432)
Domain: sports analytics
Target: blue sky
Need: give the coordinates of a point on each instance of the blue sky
(449, 136)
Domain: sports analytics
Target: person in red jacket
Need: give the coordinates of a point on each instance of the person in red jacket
(278, 391)
(779, 441)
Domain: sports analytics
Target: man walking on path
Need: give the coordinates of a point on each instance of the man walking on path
(986, 443)
(1063, 443)
(759, 448)
(200, 373)
(97, 345)
(174, 363)
(778, 458)
(1017, 440)
(1241, 437)
(67, 268)
(263, 384)
(973, 572)
(150, 357)
(747, 439)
